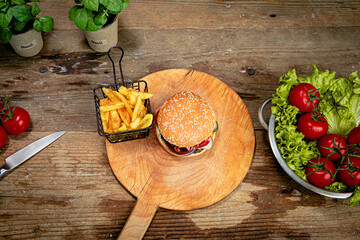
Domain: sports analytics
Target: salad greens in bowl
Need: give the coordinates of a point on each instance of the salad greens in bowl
(315, 132)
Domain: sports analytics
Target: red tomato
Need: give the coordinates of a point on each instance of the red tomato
(320, 174)
(304, 96)
(331, 145)
(18, 122)
(354, 139)
(204, 143)
(313, 126)
(3, 136)
(354, 170)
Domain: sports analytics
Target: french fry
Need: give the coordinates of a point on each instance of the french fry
(132, 98)
(115, 119)
(105, 101)
(124, 101)
(146, 121)
(122, 128)
(137, 109)
(125, 116)
(135, 124)
(143, 95)
(110, 94)
(124, 91)
(143, 111)
(105, 121)
(110, 125)
(111, 107)
(104, 117)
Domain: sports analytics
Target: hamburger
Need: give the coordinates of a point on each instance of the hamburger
(186, 125)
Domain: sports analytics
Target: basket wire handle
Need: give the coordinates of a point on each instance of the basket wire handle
(113, 64)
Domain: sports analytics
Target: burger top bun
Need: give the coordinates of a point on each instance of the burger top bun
(186, 119)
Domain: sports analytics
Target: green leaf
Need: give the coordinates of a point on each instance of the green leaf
(5, 35)
(91, 4)
(91, 26)
(78, 1)
(104, 2)
(3, 5)
(35, 10)
(100, 19)
(22, 12)
(5, 19)
(117, 6)
(18, 2)
(124, 4)
(47, 23)
(355, 199)
(4, 8)
(34, 0)
(114, 6)
(81, 18)
(72, 12)
(17, 25)
(37, 25)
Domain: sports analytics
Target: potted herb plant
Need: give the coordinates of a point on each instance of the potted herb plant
(99, 20)
(21, 26)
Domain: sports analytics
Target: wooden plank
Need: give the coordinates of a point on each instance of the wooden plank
(250, 64)
(205, 14)
(69, 191)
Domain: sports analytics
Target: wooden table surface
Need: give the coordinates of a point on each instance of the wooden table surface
(68, 190)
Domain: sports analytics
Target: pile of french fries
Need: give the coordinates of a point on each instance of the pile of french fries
(124, 110)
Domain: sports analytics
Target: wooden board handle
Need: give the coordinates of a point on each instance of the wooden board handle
(139, 220)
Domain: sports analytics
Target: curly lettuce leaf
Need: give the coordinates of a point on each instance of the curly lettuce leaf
(355, 199)
(280, 98)
(293, 148)
(321, 80)
(337, 187)
(354, 78)
(355, 107)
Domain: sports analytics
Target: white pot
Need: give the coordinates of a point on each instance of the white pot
(27, 44)
(105, 38)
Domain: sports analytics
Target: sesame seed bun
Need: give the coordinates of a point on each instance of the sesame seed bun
(185, 119)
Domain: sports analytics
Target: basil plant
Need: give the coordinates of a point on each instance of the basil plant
(91, 15)
(19, 16)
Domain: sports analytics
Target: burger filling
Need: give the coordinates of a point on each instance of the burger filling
(184, 151)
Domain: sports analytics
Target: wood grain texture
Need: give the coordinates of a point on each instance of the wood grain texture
(68, 191)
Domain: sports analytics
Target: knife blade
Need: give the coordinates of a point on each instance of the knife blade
(27, 152)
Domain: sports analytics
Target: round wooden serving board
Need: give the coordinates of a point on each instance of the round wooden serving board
(159, 179)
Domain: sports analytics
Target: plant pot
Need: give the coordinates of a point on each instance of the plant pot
(105, 38)
(27, 44)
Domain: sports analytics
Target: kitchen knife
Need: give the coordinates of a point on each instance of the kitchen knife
(27, 152)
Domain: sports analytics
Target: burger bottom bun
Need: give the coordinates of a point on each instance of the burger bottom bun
(164, 145)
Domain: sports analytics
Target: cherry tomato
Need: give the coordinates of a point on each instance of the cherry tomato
(312, 125)
(304, 96)
(3, 136)
(354, 170)
(18, 122)
(354, 139)
(331, 145)
(320, 174)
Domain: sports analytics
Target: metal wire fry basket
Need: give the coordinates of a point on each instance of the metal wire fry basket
(99, 94)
